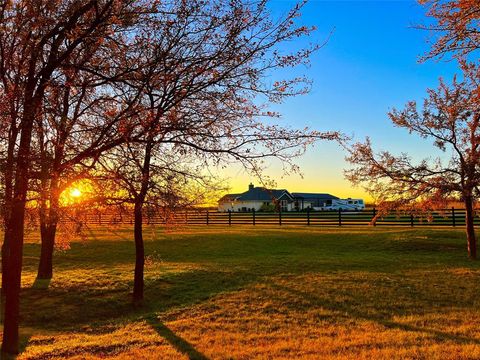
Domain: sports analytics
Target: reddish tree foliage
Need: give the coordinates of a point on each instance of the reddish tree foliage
(202, 93)
(79, 78)
(37, 40)
(450, 116)
(456, 27)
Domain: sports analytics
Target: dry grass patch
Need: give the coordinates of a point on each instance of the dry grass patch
(263, 293)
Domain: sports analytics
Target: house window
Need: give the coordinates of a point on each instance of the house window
(284, 205)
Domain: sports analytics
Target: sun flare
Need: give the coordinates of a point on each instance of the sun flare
(75, 193)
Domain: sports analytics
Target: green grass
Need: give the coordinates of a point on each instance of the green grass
(255, 292)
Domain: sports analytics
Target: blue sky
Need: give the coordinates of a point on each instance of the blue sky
(369, 65)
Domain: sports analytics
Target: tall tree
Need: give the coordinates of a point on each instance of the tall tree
(80, 119)
(193, 73)
(37, 38)
(151, 176)
(204, 90)
(450, 117)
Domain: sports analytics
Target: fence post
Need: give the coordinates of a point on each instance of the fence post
(411, 220)
(373, 217)
(453, 216)
(340, 217)
(186, 217)
(280, 217)
(253, 216)
(207, 218)
(308, 216)
(229, 217)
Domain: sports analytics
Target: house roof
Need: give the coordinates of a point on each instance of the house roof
(257, 194)
(229, 197)
(263, 194)
(314, 196)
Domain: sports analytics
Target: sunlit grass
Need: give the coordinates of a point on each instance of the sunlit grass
(268, 293)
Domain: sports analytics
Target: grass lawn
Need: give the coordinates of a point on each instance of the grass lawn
(266, 293)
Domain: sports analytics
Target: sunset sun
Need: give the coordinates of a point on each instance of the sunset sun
(75, 193)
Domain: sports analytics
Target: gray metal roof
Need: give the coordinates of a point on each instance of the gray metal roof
(314, 196)
(263, 194)
(257, 194)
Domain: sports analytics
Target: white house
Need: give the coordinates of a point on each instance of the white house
(256, 197)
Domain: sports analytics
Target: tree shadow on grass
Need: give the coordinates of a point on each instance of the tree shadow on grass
(176, 341)
(68, 309)
(70, 306)
(384, 320)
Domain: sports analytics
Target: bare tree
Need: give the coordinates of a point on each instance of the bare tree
(204, 91)
(190, 75)
(455, 27)
(450, 117)
(150, 176)
(37, 39)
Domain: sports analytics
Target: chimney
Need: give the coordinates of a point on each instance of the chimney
(250, 187)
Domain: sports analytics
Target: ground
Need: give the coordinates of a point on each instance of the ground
(264, 293)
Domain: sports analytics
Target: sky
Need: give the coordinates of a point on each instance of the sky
(369, 66)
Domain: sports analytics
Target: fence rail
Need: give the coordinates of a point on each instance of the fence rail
(444, 217)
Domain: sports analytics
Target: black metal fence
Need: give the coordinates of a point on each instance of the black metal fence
(444, 217)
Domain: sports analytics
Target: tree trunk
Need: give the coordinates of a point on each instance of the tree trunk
(4, 266)
(7, 204)
(48, 228)
(45, 266)
(470, 228)
(15, 228)
(138, 283)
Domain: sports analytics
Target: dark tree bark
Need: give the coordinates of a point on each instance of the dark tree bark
(470, 227)
(7, 202)
(138, 284)
(45, 266)
(15, 230)
(48, 37)
(48, 214)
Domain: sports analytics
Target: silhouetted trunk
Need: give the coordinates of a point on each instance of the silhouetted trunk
(16, 222)
(469, 217)
(48, 227)
(4, 266)
(15, 229)
(45, 266)
(13, 276)
(138, 283)
(7, 203)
